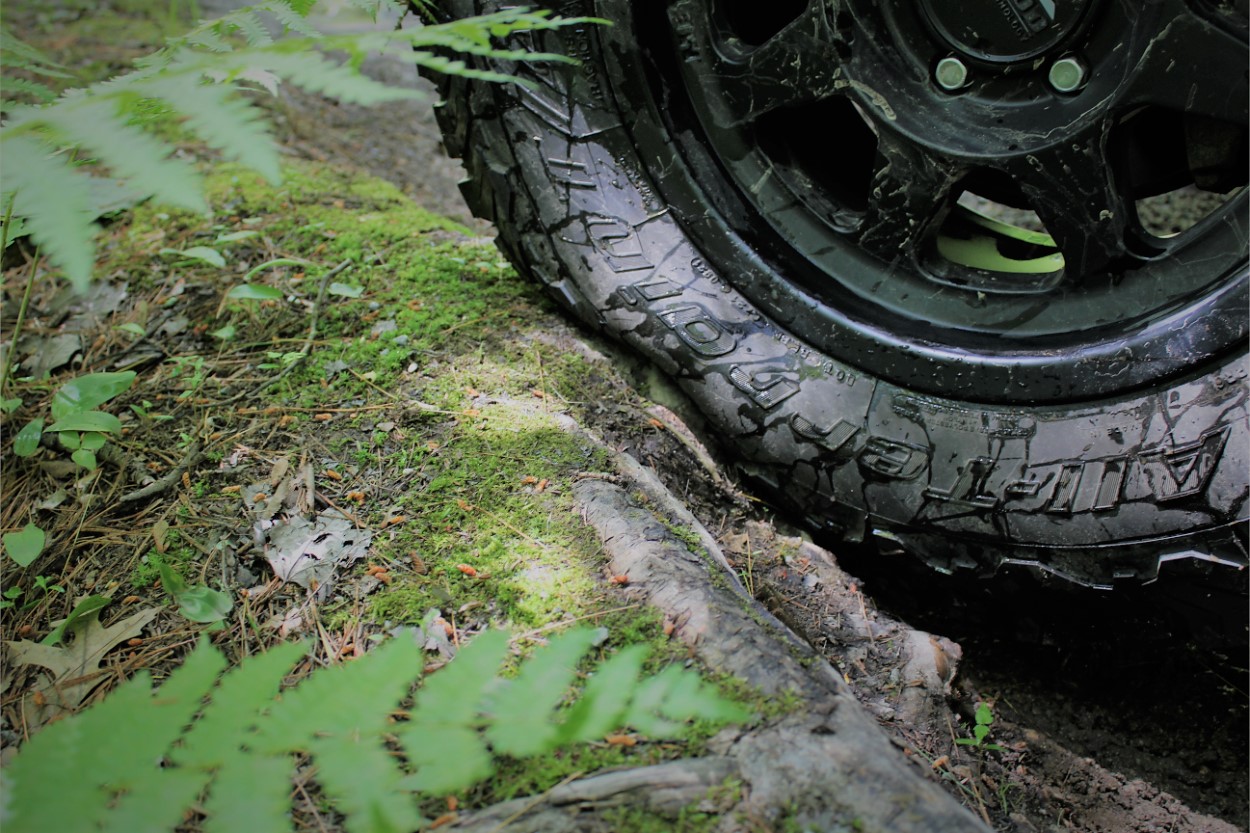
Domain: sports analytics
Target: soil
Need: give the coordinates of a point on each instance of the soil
(1124, 711)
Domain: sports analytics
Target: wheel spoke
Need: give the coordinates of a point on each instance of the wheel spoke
(1071, 187)
(798, 65)
(910, 189)
(1194, 66)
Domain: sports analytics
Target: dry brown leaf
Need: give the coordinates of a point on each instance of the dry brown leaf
(73, 666)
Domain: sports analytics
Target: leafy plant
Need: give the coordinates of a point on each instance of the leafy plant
(195, 78)
(25, 545)
(981, 729)
(198, 603)
(132, 763)
(80, 427)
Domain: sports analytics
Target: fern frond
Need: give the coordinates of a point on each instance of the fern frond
(220, 118)
(316, 73)
(101, 768)
(20, 86)
(251, 27)
(446, 717)
(373, 8)
(129, 152)
(521, 711)
(54, 203)
(293, 19)
(15, 53)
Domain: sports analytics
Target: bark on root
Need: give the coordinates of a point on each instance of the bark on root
(824, 765)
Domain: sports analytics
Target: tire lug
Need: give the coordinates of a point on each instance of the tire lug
(1067, 75)
(951, 74)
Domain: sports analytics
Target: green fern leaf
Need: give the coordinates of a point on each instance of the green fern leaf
(236, 707)
(360, 775)
(157, 803)
(316, 706)
(208, 38)
(223, 120)
(608, 694)
(15, 53)
(252, 793)
(54, 202)
(251, 26)
(292, 15)
(446, 718)
(318, 74)
(20, 86)
(130, 153)
(521, 710)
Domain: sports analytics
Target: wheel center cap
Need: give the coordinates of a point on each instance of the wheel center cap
(1002, 31)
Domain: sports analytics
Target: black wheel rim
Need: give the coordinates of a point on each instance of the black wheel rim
(851, 191)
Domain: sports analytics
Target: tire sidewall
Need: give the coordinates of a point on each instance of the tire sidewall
(1096, 490)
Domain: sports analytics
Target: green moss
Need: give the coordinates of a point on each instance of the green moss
(145, 572)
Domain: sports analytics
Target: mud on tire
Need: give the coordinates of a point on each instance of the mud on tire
(1094, 453)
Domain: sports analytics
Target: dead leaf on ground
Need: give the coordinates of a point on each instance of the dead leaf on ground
(309, 553)
(73, 666)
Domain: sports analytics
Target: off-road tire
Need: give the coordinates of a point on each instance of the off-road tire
(1040, 458)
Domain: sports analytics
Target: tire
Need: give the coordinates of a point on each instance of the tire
(763, 199)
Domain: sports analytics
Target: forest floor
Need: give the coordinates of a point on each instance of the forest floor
(464, 432)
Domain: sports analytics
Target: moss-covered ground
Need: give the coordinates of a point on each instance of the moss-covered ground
(426, 406)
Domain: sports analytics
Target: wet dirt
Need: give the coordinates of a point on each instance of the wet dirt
(1116, 711)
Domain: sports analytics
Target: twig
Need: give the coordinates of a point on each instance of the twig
(308, 342)
(171, 477)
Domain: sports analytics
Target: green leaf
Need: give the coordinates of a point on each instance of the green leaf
(134, 329)
(72, 440)
(24, 546)
(521, 710)
(269, 264)
(218, 116)
(79, 615)
(203, 604)
(54, 202)
(172, 582)
(445, 718)
(87, 421)
(8, 406)
(235, 236)
(345, 290)
(26, 442)
(235, 710)
(608, 693)
(130, 153)
(85, 458)
(87, 392)
(254, 292)
(224, 333)
(93, 441)
(202, 253)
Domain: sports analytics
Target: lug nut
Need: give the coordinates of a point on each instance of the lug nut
(1067, 75)
(951, 74)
